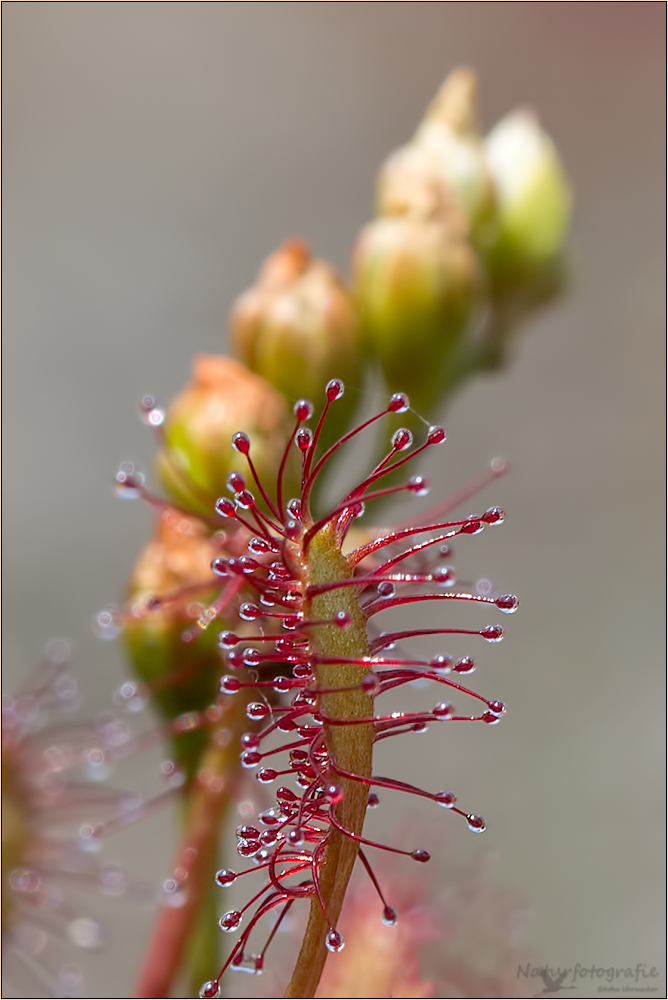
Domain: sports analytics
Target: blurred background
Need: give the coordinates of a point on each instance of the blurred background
(154, 154)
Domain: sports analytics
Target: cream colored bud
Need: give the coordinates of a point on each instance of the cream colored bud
(532, 194)
(411, 183)
(450, 135)
(455, 103)
(298, 326)
(277, 275)
(444, 162)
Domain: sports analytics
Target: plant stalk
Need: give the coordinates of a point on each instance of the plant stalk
(195, 859)
(350, 746)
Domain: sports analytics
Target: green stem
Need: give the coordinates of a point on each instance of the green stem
(350, 746)
(202, 959)
(194, 865)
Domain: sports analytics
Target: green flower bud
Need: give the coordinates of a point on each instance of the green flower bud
(415, 282)
(533, 199)
(444, 163)
(170, 584)
(297, 326)
(198, 456)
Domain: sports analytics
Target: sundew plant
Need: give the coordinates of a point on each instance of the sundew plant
(264, 619)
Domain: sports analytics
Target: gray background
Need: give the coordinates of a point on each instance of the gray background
(153, 155)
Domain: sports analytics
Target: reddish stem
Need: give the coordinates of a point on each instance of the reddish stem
(194, 861)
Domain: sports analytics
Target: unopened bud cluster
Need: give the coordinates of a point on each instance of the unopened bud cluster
(468, 227)
(469, 236)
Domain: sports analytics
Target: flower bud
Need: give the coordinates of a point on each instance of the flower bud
(198, 455)
(532, 195)
(163, 601)
(297, 326)
(444, 163)
(411, 183)
(415, 281)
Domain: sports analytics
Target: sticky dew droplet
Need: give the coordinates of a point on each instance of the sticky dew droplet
(224, 507)
(229, 685)
(476, 823)
(419, 486)
(334, 941)
(151, 414)
(303, 409)
(442, 662)
(260, 546)
(495, 515)
(402, 439)
(235, 482)
(304, 438)
(294, 509)
(129, 482)
(334, 389)
(210, 990)
(246, 832)
(399, 403)
(493, 633)
(257, 710)
(436, 434)
(334, 793)
(241, 442)
(370, 684)
(464, 666)
(230, 921)
(251, 964)
(444, 576)
(507, 603)
(226, 640)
